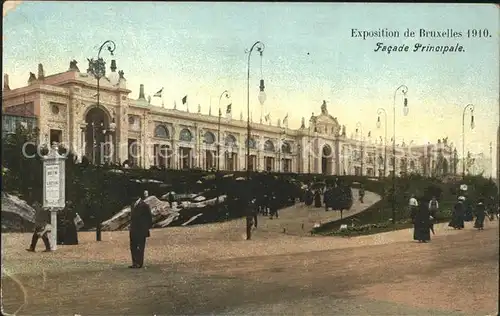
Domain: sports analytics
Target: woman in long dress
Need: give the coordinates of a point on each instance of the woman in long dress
(421, 222)
(468, 211)
(71, 236)
(317, 199)
(457, 218)
(309, 197)
(480, 215)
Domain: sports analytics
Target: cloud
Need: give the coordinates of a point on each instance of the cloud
(10, 5)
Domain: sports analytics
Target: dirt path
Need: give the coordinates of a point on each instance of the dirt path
(196, 271)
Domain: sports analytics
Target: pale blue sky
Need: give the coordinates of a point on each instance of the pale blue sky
(198, 49)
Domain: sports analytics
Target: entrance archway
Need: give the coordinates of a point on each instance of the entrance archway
(95, 135)
(326, 160)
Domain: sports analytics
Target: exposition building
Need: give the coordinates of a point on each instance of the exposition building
(121, 129)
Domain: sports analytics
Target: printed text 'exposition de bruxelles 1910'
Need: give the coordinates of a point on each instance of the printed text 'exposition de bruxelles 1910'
(421, 33)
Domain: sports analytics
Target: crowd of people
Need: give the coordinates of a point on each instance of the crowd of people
(267, 202)
(424, 215)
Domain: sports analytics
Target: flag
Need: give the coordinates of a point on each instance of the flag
(285, 120)
(185, 99)
(158, 94)
(228, 110)
(268, 117)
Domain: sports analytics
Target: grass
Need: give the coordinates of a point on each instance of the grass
(377, 218)
(371, 229)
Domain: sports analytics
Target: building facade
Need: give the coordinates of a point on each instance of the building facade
(119, 129)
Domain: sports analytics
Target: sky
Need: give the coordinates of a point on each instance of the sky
(198, 49)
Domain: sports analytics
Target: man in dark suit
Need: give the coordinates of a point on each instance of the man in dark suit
(141, 221)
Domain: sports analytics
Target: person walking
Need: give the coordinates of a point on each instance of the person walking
(361, 193)
(433, 208)
(141, 221)
(171, 199)
(273, 206)
(421, 218)
(309, 197)
(317, 198)
(457, 217)
(42, 228)
(480, 213)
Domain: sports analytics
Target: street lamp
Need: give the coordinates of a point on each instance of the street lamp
(226, 94)
(471, 108)
(98, 69)
(359, 129)
(404, 90)
(381, 111)
(259, 46)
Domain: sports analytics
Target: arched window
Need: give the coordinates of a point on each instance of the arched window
(286, 148)
(251, 143)
(161, 132)
(209, 138)
(230, 140)
(185, 135)
(327, 151)
(269, 146)
(412, 164)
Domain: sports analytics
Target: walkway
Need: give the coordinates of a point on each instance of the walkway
(189, 274)
(300, 219)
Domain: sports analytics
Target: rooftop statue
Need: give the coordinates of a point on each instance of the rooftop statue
(323, 108)
(73, 66)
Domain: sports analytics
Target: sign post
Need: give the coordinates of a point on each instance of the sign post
(54, 188)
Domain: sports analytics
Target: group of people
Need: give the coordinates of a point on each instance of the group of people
(68, 223)
(267, 205)
(336, 196)
(424, 214)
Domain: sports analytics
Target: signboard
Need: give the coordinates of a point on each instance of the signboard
(54, 181)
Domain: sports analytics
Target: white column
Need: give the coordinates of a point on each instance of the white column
(53, 233)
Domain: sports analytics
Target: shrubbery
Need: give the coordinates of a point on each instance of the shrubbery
(100, 192)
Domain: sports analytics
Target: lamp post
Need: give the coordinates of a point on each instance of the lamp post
(471, 108)
(226, 94)
(381, 111)
(359, 129)
(404, 90)
(259, 46)
(98, 69)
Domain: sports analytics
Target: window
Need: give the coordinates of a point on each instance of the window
(209, 138)
(230, 140)
(286, 148)
(268, 146)
(55, 136)
(252, 143)
(161, 132)
(185, 135)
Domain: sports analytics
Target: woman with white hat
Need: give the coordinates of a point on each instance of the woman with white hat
(457, 218)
